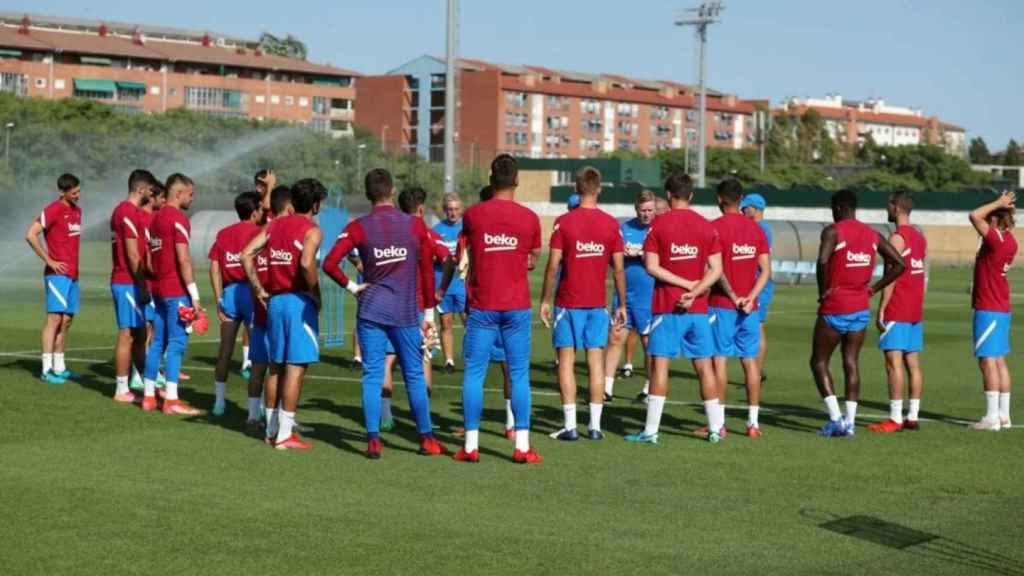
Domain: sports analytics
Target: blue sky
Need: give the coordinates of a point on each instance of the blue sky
(959, 60)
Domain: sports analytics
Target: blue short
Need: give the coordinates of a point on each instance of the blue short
(259, 350)
(638, 320)
(149, 311)
(688, 334)
(236, 302)
(902, 336)
(846, 323)
(453, 302)
(61, 294)
(736, 334)
(293, 329)
(585, 328)
(389, 348)
(991, 334)
(127, 311)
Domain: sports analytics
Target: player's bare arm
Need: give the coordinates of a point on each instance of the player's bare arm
(894, 265)
(652, 263)
(619, 277)
(712, 274)
(307, 263)
(899, 244)
(764, 274)
(829, 239)
(532, 259)
(188, 276)
(547, 293)
(32, 237)
(249, 265)
(979, 216)
(137, 268)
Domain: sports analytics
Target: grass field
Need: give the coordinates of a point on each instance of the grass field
(90, 487)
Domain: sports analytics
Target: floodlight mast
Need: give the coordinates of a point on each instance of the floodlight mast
(700, 18)
(450, 102)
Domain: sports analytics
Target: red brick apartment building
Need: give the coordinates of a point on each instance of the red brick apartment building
(543, 113)
(152, 69)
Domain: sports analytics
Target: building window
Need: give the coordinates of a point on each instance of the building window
(289, 101)
(260, 99)
(203, 98)
(515, 99)
(437, 99)
(321, 105)
(303, 101)
(275, 99)
(590, 106)
(16, 84)
(341, 103)
(40, 82)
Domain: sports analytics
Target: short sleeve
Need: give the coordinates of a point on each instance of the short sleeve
(535, 244)
(994, 237)
(618, 245)
(763, 246)
(182, 231)
(714, 242)
(556, 235)
(48, 216)
(128, 227)
(214, 254)
(651, 241)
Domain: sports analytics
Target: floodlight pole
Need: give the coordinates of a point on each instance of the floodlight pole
(451, 66)
(705, 14)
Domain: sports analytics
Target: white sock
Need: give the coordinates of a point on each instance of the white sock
(473, 440)
(655, 405)
(1004, 405)
(609, 384)
(523, 440)
(627, 367)
(385, 409)
(991, 405)
(47, 362)
(851, 413)
(595, 416)
(721, 413)
(218, 388)
(510, 420)
(271, 416)
(245, 357)
(170, 390)
(254, 407)
(569, 411)
(284, 425)
(358, 359)
(915, 407)
(714, 413)
(149, 387)
(752, 416)
(833, 408)
(647, 386)
(122, 385)
(896, 411)
(449, 362)
(58, 363)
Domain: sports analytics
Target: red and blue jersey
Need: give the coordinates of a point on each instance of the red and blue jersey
(285, 238)
(907, 301)
(991, 287)
(397, 254)
(62, 227)
(169, 228)
(227, 250)
(850, 268)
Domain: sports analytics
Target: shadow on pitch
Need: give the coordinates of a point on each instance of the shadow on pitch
(911, 541)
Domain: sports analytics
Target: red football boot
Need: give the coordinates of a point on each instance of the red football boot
(293, 442)
(429, 446)
(528, 457)
(463, 456)
(886, 427)
(374, 449)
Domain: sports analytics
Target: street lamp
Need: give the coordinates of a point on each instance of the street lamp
(700, 18)
(7, 147)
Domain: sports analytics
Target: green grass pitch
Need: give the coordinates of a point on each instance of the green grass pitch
(90, 487)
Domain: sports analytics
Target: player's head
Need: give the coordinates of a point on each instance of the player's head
(729, 193)
(379, 186)
(158, 197)
(70, 188)
(504, 173)
(412, 199)
(588, 181)
(900, 202)
(486, 193)
(140, 182)
(753, 206)
(679, 186)
(451, 205)
(180, 190)
(1002, 219)
(661, 206)
(247, 206)
(646, 206)
(281, 200)
(260, 181)
(844, 204)
(307, 195)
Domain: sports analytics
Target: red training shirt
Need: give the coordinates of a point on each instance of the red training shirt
(683, 240)
(587, 237)
(125, 226)
(743, 242)
(850, 268)
(907, 302)
(62, 227)
(500, 235)
(285, 238)
(991, 287)
(169, 228)
(227, 250)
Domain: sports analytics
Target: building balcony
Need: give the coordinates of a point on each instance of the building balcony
(342, 114)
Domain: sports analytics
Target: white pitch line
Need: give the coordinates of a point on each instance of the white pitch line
(807, 411)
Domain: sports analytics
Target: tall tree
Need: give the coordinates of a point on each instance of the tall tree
(1012, 156)
(978, 151)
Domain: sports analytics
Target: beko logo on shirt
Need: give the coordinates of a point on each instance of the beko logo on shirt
(917, 265)
(261, 261)
(588, 249)
(281, 256)
(155, 244)
(633, 247)
(743, 251)
(683, 251)
(497, 242)
(390, 255)
(857, 259)
(74, 228)
(234, 259)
